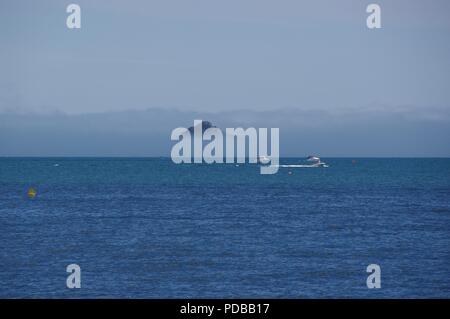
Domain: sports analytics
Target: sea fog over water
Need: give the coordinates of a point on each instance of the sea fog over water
(344, 132)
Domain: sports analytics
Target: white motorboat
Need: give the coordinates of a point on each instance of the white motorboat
(263, 160)
(316, 161)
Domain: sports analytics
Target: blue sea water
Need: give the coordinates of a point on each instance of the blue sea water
(148, 228)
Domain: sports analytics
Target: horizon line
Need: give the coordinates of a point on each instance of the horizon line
(168, 157)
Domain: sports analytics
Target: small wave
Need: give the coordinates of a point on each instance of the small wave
(441, 210)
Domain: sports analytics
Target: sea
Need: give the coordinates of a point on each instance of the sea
(149, 228)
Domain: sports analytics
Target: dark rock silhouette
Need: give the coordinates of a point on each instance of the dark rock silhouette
(205, 125)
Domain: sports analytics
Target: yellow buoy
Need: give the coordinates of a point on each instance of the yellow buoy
(32, 193)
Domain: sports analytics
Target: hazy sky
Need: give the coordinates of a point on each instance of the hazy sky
(218, 55)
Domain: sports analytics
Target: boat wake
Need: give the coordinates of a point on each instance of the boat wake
(316, 162)
(301, 166)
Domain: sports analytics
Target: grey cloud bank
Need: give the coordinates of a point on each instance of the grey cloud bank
(390, 132)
